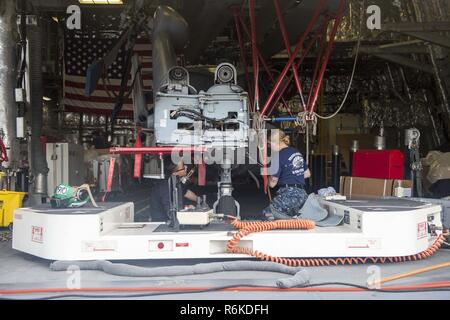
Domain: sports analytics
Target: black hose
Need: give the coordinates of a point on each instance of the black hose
(23, 42)
(195, 115)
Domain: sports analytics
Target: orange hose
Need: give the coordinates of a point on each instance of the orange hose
(247, 228)
(412, 273)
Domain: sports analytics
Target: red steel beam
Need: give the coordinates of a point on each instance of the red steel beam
(305, 53)
(109, 182)
(202, 174)
(236, 15)
(337, 22)
(293, 57)
(254, 51)
(261, 58)
(138, 157)
(287, 44)
(302, 58)
(319, 58)
(156, 150)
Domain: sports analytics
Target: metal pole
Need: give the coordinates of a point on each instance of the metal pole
(265, 170)
(335, 168)
(308, 143)
(319, 171)
(8, 106)
(80, 128)
(294, 55)
(353, 149)
(323, 38)
(283, 119)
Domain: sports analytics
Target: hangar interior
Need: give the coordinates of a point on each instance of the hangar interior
(96, 95)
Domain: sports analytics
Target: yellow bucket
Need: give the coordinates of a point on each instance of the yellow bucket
(9, 201)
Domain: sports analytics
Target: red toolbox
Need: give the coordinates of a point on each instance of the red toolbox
(379, 164)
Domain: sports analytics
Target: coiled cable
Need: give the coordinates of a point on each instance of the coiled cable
(247, 228)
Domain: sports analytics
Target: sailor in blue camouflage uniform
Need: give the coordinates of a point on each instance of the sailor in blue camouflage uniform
(289, 173)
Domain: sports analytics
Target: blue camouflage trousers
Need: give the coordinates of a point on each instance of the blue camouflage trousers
(287, 202)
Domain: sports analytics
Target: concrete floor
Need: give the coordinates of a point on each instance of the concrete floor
(22, 271)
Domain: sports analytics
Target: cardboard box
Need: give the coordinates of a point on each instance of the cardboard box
(357, 188)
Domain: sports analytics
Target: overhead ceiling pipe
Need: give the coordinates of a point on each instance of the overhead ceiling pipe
(8, 110)
(170, 34)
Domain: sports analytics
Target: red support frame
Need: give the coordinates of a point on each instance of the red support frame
(140, 151)
(157, 150)
(236, 14)
(293, 56)
(3, 152)
(202, 174)
(261, 58)
(302, 58)
(254, 52)
(109, 182)
(138, 157)
(319, 59)
(287, 44)
(319, 73)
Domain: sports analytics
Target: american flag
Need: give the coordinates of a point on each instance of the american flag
(80, 51)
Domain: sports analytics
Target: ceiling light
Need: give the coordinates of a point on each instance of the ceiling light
(47, 99)
(101, 1)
